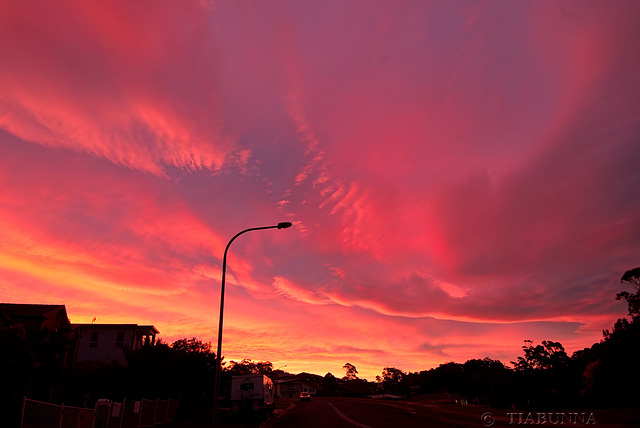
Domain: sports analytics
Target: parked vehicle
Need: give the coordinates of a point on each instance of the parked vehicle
(305, 396)
(252, 393)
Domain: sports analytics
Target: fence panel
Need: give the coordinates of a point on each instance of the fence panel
(86, 418)
(131, 415)
(115, 419)
(37, 414)
(148, 413)
(73, 417)
(162, 406)
(171, 411)
(103, 412)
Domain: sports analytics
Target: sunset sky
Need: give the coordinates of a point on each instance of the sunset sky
(461, 176)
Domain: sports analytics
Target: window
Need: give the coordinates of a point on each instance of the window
(120, 338)
(93, 343)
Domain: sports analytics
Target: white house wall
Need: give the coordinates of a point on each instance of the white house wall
(106, 349)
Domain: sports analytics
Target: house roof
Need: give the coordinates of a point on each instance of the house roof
(29, 310)
(306, 382)
(151, 329)
(148, 329)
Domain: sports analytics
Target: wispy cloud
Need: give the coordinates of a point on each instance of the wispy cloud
(460, 177)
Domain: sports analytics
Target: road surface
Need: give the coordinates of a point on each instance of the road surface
(335, 412)
(323, 412)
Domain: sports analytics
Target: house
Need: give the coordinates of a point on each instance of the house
(49, 324)
(35, 318)
(291, 388)
(41, 329)
(105, 342)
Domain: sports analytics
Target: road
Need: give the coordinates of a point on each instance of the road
(335, 412)
(322, 412)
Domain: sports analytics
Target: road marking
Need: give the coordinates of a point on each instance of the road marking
(347, 418)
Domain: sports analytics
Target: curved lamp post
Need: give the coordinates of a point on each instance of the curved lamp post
(216, 392)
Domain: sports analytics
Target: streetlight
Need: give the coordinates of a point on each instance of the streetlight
(216, 392)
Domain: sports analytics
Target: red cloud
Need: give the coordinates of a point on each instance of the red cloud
(460, 178)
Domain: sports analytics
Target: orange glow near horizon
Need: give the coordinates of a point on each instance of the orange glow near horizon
(460, 178)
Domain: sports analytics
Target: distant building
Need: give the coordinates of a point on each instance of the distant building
(291, 388)
(95, 342)
(105, 342)
(35, 317)
(38, 328)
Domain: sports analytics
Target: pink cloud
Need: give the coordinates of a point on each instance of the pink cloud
(460, 177)
(127, 100)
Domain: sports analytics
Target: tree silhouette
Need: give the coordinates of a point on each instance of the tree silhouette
(549, 355)
(612, 373)
(392, 374)
(329, 384)
(351, 372)
(192, 346)
(392, 380)
(246, 367)
(631, 277)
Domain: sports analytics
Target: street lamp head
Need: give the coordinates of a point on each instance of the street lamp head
(284, 225)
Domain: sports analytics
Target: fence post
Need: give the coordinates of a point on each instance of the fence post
(140, 412)
(122, 409)
(24, 403)
(61, 416)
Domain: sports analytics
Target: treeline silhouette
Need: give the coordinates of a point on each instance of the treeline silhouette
(36, 364)
(607, 374)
